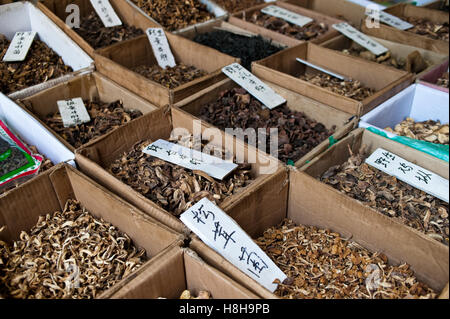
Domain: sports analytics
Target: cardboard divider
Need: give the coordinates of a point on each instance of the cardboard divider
(430, 79)
(239, 19)
(178, 270)
(313, 203)
(283, 69)
(48, 192)
(56, 11)
(407, 37)
(397, 50)
(320, 112)
(115, 62)
(95, 157)
(24, 16)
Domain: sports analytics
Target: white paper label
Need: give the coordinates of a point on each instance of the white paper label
(287, 15)
(106, 13)
(19, 46)
(190, 159)
(389, 19)
(73, 112)
(253, 85)
(161, 48)
(220, 232)
(360, 38)
(410, 173)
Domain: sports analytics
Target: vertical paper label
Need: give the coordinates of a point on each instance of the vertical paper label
(410, 173)
(160, 47)
(287, 15)
(360, 38)
(19, 46)
(73, 112)
(106, 13)
(253, 85)
(389, 19)
(190, 159)
(220, 232)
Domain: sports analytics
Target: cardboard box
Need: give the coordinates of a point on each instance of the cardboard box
(269, 183)
(24, 16)
(430, 79)
(238, 19)
(283, 69)
(180, 269)
(56, 11)
(419, 102)
(407, 37)
(117, 60)
(49, 192)
(320, 112)
(397, 50)
(314, 203)
(88, 87)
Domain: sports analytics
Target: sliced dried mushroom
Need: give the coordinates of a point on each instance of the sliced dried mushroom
(430, 131)
(322, 265)
(67, 255)
(201, 295)
(422, 26)
(390, 196)
(443, 80)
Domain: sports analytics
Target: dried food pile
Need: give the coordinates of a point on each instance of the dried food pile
(237, 5)
(430, 131)
(248, 49)
(40, 65)
(98, 36)
(175, 14)
(322, 265)
(173, 187)
(201, 295)
(68, 254)
(422, 26)
(105, 117)
(390, 196)
(297, 134)
(352, 89)
(170, 77)
(306, 33)
(443, 80)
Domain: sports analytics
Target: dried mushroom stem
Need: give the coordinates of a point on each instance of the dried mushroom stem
(436, 31)
(201, 295)
(390, 196)
(321, 265)
(429, 131)
(68, 254)
(105, 117)
(173, 187)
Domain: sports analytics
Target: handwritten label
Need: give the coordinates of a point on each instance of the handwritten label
(410, 173)
(73, 112)
(190, 159)
(106, 13)
(287, 15)
(253, 85)
(161, 48)
(220, 232)
(389, 19)
(19, 46)
(360, 38)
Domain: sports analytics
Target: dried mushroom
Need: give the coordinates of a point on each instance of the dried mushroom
(297, 133)
(67, 255)
(233, 6)
(175, 14)
(322, 265)
(173, 187)
(390, 196)
(432, 30)
(351, 89)
(308, 32)
(105, 117)
(170, 77)
(443, 80)
(201, 295)
(40, 65)
(98, 36)
(430, 131)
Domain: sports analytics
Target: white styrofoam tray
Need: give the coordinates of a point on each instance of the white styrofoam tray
(32, 132)
(24, 16)
(420, 102)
